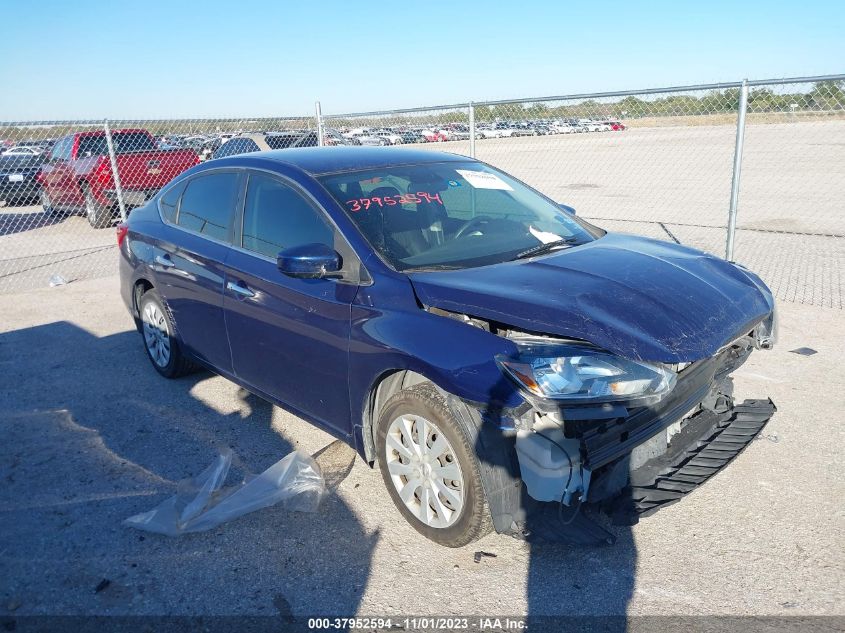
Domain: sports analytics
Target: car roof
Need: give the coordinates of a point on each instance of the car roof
(327, 160)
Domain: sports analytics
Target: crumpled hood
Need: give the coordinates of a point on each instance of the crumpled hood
(636, 297)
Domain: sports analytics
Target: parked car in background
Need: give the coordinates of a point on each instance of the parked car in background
(593, 126)
(368, 139)
(23, 150)
(456, 131)
(393, 138)
(498, 358)
(412, 137)
(41, 145)
(262, 142)
(206, 150)
(332, 137)
(502, 129)
(523, 129)
(433, 136)
(576, 126)
(78, 173)
(562, 127)
(19, 178)
(484, 130)
(616, 126)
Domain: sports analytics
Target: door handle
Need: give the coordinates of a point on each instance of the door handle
(164, 260)
(242, 291)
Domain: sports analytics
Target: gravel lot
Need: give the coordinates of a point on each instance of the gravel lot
(91, 435)
(671, 183)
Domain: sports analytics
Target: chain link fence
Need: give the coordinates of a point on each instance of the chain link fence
(65, 184)
(751, 169)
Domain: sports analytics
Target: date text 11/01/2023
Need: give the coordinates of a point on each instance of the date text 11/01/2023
(424, 622)
(362, 204)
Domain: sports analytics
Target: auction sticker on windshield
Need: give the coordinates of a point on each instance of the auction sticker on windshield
(483, 180)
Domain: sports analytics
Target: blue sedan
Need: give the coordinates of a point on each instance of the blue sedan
(495, 354)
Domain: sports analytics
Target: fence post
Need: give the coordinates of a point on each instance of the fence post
(115, 176)
(319, 115)
(740, 142)
(471, 130)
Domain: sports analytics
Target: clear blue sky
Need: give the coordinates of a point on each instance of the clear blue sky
(189, 58)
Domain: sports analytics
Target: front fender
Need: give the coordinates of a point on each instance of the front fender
(400, 335)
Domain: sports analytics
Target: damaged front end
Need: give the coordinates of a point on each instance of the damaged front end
(601, 433)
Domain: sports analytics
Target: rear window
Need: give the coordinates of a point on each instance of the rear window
(124, 143)
(282, 141)
(236, 146)
(208, 204)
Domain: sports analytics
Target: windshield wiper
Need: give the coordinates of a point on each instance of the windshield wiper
(547, 247)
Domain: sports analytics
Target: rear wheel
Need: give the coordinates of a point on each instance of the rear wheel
(47, 204)
(430, 468)
(99, 215)
(158, 333)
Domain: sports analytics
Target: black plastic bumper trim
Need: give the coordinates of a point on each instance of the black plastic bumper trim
(718, 439)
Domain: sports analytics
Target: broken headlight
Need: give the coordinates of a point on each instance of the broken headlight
(581, 374)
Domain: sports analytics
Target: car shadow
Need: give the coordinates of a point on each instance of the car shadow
(92, 435)
(12, 222)
(581, 569)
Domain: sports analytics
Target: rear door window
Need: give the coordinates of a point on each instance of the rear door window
(208, 204)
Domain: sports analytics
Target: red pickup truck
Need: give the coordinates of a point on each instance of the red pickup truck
(78, 173)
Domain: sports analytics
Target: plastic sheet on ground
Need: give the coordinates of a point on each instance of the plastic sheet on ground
(200, 503)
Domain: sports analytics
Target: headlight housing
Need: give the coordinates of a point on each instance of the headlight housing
(581, 374)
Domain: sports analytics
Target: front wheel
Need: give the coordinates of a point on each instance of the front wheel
(430, 468)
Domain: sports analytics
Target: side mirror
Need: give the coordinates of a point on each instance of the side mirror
(567, 208)
(309, 261)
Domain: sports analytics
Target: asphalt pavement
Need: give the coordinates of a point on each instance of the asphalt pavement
(90, 435)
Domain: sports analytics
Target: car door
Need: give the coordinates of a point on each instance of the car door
(289, 336)
(189, 258)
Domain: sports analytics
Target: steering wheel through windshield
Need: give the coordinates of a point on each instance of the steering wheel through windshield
(475, 223)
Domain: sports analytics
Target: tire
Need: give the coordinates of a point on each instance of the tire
(404, 415)
(159, 336)
(47, 204)
(99, 215)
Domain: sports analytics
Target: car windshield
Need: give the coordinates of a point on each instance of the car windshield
(451, 215)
